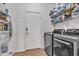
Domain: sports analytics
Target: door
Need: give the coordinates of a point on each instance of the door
(32, 30)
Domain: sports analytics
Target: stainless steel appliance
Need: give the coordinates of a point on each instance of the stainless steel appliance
(48, 38)
(62, 47)
(66, 43)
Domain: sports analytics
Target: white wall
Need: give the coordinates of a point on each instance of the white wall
(45, 26)
(18, 11)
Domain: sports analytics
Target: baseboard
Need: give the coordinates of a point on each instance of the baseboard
(20, 50)
(34, 49)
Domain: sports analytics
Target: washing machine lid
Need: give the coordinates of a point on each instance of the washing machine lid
(71, 32)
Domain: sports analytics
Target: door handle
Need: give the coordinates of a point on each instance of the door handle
(26, 28)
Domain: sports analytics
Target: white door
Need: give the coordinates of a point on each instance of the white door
(32, 36)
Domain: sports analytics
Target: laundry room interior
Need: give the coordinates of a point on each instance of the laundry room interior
(39, 29)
